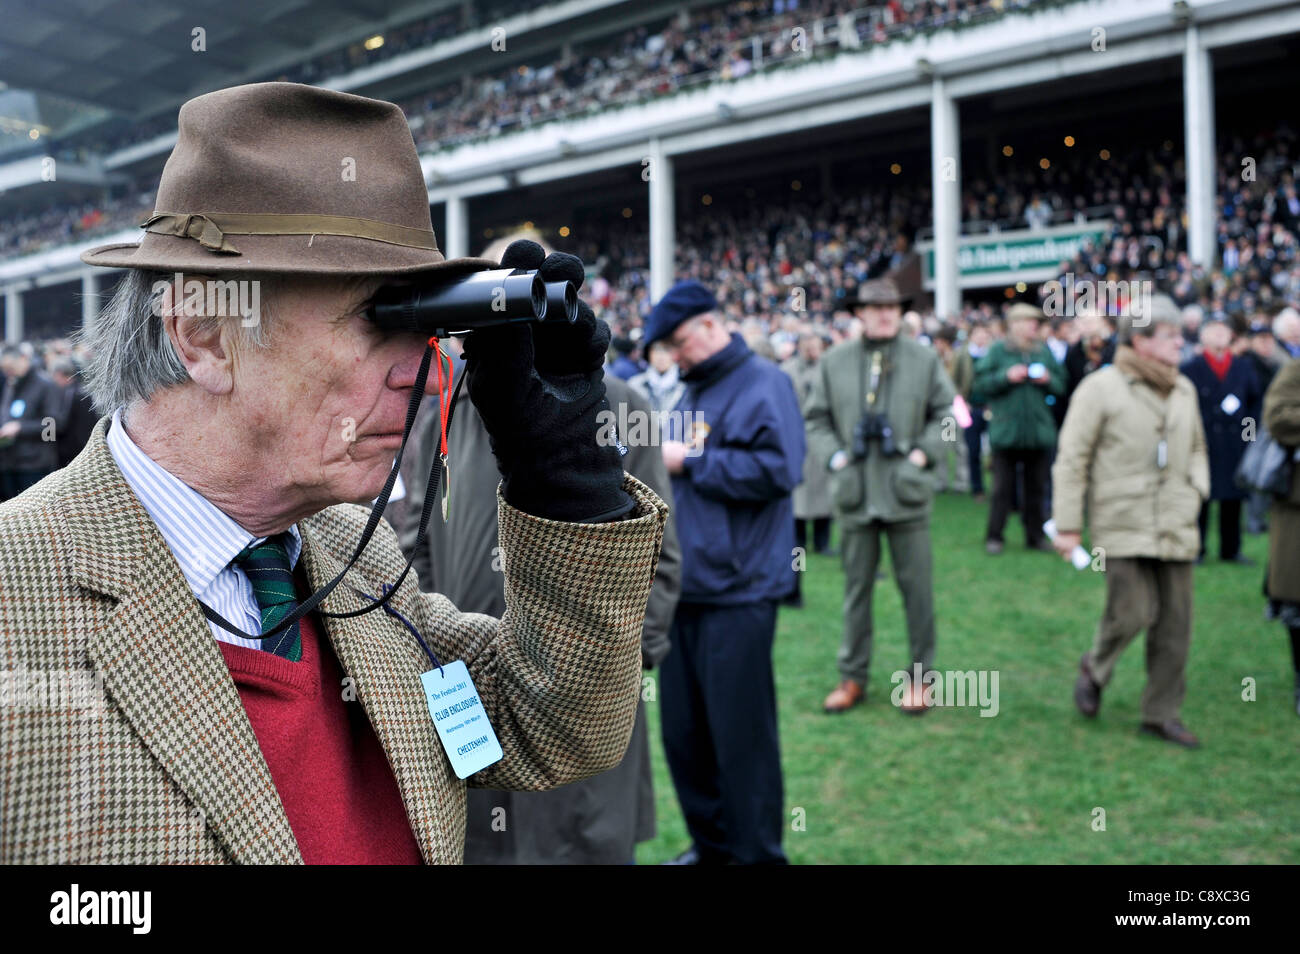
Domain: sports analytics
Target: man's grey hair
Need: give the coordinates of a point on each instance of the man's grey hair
(1286, 322)
(1162, 311)
(131, 357)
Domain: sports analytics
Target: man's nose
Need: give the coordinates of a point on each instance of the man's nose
(406, 368)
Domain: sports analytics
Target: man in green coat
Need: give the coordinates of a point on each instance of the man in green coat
(1016, 379)
(876, 422)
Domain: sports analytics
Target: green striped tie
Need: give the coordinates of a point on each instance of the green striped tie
(267, 566)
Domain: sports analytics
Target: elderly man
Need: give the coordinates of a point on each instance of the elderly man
(241, 720)
(732, 470)
(1286, 328)
(1132, 458)
(875, 421)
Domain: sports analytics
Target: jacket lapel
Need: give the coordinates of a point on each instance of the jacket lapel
(162, 666)
(385, 663)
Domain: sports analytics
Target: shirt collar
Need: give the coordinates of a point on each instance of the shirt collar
(202, 537)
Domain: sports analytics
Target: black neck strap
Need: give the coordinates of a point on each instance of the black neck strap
(376, 514)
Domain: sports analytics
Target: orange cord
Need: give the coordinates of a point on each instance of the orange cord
(444, 396)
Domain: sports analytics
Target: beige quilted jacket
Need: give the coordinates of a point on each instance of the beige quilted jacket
(1106, 465)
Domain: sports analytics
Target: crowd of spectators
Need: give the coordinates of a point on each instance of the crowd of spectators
(1258, 219)
(707, 45)
(805, 254)
(64, 224)
(715, 42)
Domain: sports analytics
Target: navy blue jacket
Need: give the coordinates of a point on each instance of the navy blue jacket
(624, 367)
(732, 504)
(1224, 440)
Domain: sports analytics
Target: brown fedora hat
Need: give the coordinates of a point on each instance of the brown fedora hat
(880, 291)
(284, 177)
(1022, 310)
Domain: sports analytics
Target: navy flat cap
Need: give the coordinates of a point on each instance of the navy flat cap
(684, 300)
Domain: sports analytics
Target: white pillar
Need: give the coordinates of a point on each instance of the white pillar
(945, 178)
(1198, 112)
(89, 300)
(13, 315)
(456, 238)
(663, 221)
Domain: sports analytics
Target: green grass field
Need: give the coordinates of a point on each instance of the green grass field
(878, 786)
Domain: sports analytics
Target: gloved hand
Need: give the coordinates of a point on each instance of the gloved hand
(539, 388)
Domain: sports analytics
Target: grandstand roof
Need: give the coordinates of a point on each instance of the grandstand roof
(134, 58)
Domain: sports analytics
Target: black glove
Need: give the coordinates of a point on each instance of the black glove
(538, 388)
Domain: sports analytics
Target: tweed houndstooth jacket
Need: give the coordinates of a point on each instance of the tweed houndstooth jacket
(166, 768)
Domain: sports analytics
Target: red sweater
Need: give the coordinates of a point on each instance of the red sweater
(1219, 365)
(325, 759)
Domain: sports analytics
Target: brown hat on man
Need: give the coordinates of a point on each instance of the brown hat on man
(284, 177)
(880, 291)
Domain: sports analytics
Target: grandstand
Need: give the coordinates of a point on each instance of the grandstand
(761, 145)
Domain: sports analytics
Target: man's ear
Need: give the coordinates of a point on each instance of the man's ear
(202, 345)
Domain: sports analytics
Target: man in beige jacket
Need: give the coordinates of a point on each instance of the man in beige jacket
(1132, 456)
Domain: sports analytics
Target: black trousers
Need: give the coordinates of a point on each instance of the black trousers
(1035, 463)
(821, 543)
(974, 437)
(1229, 527)
(718, 705)
(821, 533)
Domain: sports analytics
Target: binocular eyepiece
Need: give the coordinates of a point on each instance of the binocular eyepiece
(441, 307)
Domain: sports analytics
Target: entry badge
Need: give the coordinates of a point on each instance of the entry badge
(17, 407)
(1230, 404)
(462, 723)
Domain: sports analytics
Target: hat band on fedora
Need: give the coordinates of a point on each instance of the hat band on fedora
(209, 228)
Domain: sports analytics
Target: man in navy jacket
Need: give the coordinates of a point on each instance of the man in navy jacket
(739, 455)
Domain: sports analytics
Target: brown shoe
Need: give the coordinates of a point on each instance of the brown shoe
(914, 699)
(1087, 694)
(845, 696)
(1172, 731)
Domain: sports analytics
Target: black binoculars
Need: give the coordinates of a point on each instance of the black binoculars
(873, 426)
(500, 296)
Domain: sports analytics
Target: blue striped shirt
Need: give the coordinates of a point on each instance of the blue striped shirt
(202, 538)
